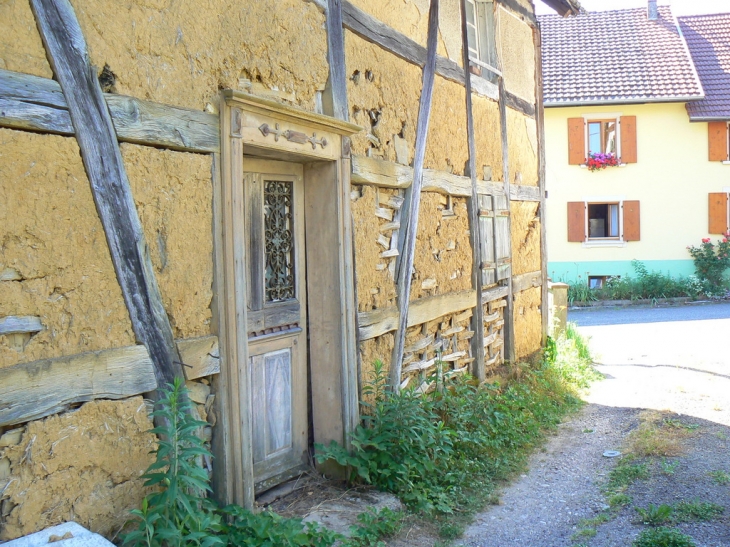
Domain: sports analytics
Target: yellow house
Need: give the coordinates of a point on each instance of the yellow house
(636, 109)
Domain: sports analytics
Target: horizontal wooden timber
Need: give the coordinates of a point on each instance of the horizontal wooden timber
(37, 104)
(20, 324)
(526, 281)
(30, 391)
(377, 322)
(393, 175)
(495, 293)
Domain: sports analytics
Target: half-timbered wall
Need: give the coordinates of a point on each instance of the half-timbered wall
(71, 365)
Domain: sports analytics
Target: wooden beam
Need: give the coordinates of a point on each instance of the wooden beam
(526, 281)
(540, 123)
(378, 322)
(509, 328)
(387, 174)
(37, 104)
(337, 84)
(369, 28)
(519, 104)
(403, 284)
(30, 391)
(490, 295)
(475, 236)
(67, 53)
(20, 324)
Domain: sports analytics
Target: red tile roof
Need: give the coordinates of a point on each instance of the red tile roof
(615, 57)
(708, 38)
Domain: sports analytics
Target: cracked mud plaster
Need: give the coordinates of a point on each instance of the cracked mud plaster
(527, 323)
(525, 228)
(410, 17)
(173, 192)
(523, 148)
(83, 466)
(443, 250)
(181, 52)
(517, 53)
(386, 104)
(53, 239)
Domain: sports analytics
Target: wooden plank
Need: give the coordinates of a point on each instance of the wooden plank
(519, 104)
(377, 322)
(336, 91)
(525, 193)
(66, 50)
(30, 391)
(508, 314)
(38, 104)
(369, 28)
(19, 324)
(526, 281)
(403, 284)
(490, 295)
(475, 232)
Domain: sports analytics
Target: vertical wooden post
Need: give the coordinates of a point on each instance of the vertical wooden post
(336, 92)
(68, 55)
(540, 119)
(477, 320)
(403, 287)
(509, 325)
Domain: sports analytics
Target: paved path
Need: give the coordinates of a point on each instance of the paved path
(669, 359)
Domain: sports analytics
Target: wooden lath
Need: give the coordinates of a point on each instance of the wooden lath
(403, 286)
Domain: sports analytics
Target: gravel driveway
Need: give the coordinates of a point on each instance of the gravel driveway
(664, 368)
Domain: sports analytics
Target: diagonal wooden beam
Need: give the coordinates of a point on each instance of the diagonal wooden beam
(477, 325)
(68, 55)
(403, 287)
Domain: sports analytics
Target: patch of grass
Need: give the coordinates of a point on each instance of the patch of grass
(720, 477)
(584, 533)
(619, 500)
(669, 466)
(373, 526)
(657, 436)
(654, 515)
(624, 474)
(663, 537)
(677, 424)
(696, 510)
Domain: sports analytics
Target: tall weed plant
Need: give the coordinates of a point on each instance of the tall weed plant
(435, 450)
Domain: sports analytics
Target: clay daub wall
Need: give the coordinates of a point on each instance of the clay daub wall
(55, 265)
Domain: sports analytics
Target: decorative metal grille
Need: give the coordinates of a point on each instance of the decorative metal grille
(279, 237)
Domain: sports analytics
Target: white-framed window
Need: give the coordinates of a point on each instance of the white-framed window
(480, 33)
(603, 221)
(602, 136)
(602, 133)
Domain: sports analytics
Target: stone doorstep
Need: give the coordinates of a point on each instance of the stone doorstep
(339, 515)
(68, 534)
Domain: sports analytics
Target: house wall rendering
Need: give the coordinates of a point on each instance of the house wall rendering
(671, 180)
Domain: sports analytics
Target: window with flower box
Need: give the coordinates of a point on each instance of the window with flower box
(609, 141)
(604, 221)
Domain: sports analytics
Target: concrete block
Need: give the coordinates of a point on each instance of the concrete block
(68, 534)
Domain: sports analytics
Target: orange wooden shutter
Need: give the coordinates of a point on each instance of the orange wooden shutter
(576, 141)
(628, 139)
(717, 136)
(718, 213)
(576, 221)
(632, 225)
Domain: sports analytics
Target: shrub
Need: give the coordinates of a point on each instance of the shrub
(711, 261)
(663, 537)
(433, 450)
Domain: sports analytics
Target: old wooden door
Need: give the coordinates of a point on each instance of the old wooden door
(277, 319)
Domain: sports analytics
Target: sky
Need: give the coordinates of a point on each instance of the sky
(679, 7)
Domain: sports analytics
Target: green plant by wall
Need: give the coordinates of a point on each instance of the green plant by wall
(179, 513)
(663, 537)
(435, 450)
(711, 261)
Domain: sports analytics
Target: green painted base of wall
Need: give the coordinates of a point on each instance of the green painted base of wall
(572, 271)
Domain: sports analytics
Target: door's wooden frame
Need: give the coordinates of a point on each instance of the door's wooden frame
(251, 126)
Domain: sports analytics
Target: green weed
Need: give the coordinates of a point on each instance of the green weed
(619, 500)
(625, 473)
(720, 477)
(663, 537)
(668, 466)
(654, 515)
(696, 510)
(372, 527)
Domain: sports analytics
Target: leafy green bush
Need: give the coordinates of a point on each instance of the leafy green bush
(663, 537)
(179, 514)
(711, 261)
(434, 450)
